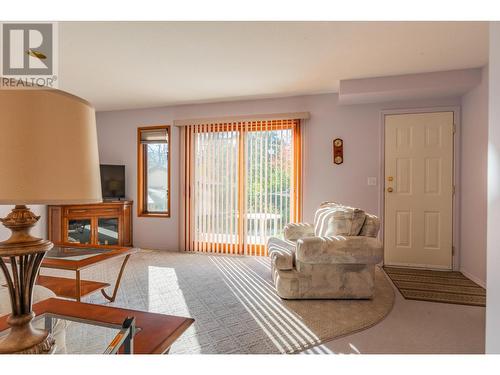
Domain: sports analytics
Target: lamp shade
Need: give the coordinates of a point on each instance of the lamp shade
(48, 148)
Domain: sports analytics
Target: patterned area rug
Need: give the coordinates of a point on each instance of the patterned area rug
(437, 286)
(233, 302)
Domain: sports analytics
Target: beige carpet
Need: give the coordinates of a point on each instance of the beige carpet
(233, 302)
(437, 286)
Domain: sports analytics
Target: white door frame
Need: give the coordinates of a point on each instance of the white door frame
(456, 171)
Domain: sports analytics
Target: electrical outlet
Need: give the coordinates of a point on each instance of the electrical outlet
(372, 181)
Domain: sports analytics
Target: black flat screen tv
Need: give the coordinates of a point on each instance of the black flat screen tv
(113, 181)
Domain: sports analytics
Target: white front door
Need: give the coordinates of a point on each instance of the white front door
(418, 216)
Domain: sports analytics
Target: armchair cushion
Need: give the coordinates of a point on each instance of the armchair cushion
(333, 219)
(371, 226)
(282, 253)
(295, 231)
(339, 250)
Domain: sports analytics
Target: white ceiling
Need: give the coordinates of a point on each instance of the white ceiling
(119, 65)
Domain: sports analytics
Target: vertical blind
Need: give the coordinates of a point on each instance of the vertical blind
(242, 184)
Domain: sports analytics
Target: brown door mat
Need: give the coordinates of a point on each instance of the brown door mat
(436, 286)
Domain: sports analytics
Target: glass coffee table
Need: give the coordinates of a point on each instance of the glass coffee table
(77, 259)
(107, 330)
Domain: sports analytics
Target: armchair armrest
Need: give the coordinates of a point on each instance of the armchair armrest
(339, 249)
(295, 231)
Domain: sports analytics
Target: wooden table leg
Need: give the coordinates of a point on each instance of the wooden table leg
(78, 287)
(117, 284)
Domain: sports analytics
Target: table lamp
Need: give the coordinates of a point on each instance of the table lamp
(48, 155)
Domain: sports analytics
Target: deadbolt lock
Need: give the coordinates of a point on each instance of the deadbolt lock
(390, 178)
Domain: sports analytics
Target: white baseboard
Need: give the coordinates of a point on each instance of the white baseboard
(474, 278)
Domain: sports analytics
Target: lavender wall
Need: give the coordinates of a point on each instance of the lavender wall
(358, 125)
(473, 186)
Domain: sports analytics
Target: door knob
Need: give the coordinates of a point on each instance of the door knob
(389, 190)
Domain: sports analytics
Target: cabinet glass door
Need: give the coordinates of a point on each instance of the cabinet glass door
(80, 231)
(107, 231)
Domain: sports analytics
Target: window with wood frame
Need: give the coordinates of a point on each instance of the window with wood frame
(153, 171)
(242, 184)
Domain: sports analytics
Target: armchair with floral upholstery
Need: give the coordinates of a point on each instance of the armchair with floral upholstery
(334, 258)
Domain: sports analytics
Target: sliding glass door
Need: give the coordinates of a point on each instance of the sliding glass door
(215, 190)
(242, 184)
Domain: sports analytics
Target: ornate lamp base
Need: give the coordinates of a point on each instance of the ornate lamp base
(25, 254)
(23, 338)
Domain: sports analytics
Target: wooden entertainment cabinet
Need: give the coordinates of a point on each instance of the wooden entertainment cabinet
(91, 225)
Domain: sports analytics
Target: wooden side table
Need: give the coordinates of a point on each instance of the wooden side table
(155, 333)
(77, 259)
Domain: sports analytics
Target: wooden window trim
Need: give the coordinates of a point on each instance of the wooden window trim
(141, 173)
